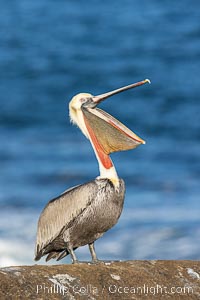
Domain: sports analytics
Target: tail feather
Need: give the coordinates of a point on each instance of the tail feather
(62, 254)
(52, 254)
(58, 254)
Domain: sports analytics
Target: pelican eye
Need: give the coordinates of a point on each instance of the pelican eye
(87, 102)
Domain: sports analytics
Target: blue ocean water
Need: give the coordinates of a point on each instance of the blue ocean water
(52, 50)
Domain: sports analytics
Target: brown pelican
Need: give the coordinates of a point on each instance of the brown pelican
(82, 214)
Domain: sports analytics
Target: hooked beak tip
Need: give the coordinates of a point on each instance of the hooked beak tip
(147, 81)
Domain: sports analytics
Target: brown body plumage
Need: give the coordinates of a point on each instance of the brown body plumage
(95, 207)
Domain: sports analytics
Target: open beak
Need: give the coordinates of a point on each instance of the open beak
(107, 133)
(99, 98)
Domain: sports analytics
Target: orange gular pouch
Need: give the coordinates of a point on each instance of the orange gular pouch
(108, 133)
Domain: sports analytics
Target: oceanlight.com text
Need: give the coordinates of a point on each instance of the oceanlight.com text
(112, 289)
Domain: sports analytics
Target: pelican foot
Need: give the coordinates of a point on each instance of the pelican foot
(97, 261)
(75, 262)
(79, 262)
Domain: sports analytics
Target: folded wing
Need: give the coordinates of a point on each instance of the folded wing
(60, 213)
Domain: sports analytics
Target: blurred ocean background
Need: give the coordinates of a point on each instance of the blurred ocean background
(52, 50)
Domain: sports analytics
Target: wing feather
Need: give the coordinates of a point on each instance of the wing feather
(61, 211)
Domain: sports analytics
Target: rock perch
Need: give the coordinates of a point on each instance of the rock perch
(108, 280)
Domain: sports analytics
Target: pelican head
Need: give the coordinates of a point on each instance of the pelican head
(100, 127)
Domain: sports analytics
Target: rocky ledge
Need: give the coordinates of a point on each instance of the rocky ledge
(106, 280)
